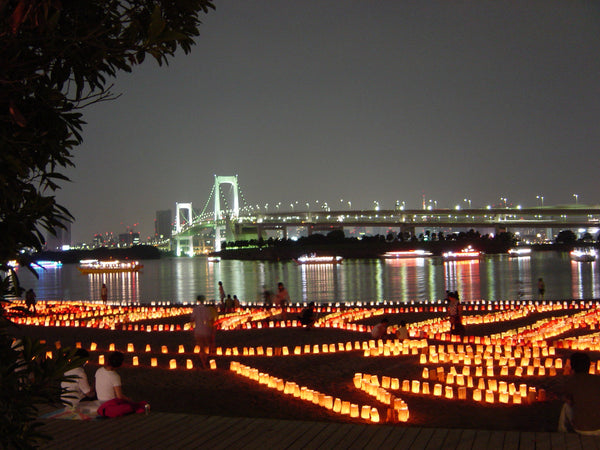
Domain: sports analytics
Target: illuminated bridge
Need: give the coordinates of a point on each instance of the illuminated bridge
(229, 220)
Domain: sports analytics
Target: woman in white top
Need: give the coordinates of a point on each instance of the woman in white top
(110, 391)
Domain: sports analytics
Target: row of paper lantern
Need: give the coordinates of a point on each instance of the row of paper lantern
(494, 392)
(287, 387)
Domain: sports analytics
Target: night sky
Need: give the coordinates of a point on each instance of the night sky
(353, 100)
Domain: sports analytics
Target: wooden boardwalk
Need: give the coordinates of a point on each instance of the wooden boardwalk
(186, 431)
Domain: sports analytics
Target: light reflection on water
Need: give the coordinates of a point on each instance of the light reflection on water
(421, 279)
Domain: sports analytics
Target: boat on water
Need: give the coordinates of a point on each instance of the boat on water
(466, 253)
(46, 264)
(314, 259)
(519, 251)
(88, 266)
(584, 255)
(407, 254)
(213, 259)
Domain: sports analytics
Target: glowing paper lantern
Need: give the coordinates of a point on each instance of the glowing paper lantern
(101, 360)
(135, 361)
(153, 362)
(130, 347)
(172, 364)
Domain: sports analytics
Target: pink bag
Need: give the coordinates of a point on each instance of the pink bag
(116, 408)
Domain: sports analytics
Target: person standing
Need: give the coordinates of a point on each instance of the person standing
(282, 298)
(541, 288)
(221, 292)
(104, 293)
(30, 300)
(203, 320)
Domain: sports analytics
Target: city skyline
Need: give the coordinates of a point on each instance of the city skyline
(353, 101)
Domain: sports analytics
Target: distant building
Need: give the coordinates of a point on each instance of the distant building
(163, 224)
(60, 241)
(129, 239)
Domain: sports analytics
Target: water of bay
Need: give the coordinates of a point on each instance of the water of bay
(178, 280)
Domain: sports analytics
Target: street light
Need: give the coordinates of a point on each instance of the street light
(376, 205)
(504, 200)
(468, 200)
(541, 198)
(576, 198)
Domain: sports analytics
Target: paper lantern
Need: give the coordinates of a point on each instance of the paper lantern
(395, 384)
(172, 364)
(189, 364)
(111, 347)
(130, 347)
(337, 405)
(425, 388)
(449, 392)
(181, 349)
(477, 395)
(437, 390)
(135, 361)
(489, 396)
(415, 388)
(365, 412)
(462, 393)
(49, 356)
(153, 362)
(101, 360)
(164, 349)
(93, 347)
(345, 407)
(374, 415)
(148, 349)
(297, 350)
(354, 410)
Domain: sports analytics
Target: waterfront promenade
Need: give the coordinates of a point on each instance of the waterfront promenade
(188, 431)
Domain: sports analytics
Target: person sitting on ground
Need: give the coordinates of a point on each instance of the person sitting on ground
(114, 403)
(307, 316)
(580, 413)
(402, 332)
(380, 330)
(77, 388)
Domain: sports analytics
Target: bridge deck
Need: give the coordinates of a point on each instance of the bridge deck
(163, 430)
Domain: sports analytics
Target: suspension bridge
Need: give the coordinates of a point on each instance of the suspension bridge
(233, 218)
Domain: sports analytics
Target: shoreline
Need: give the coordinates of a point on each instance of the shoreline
(221, 392)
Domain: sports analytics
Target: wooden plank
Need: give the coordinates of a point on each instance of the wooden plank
(176, 433)
(423, 438)
(242, 431)
(482, 437)
(496, 439)
(452, 440)
(557, 440)
(216, 433)
(407, 439)
(542, 439)
(574, 442)
(396, 433)
(511, 440)
(311, 436)
(332, 429)
(437, 438)
(284, 435)
(363, 439)
(587, 442)
(348, 438)
(466, 440)
(380, 436)
(527, 440)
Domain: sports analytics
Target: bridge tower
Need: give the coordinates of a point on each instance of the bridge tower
(187, 240)
(219, 226)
